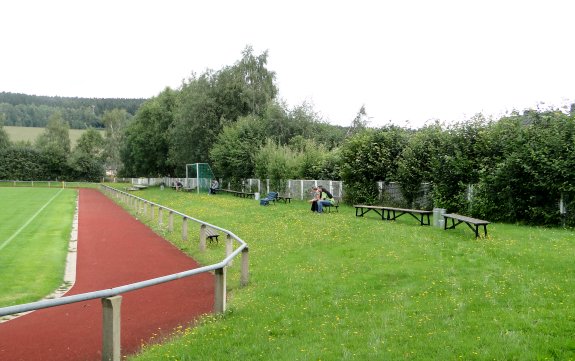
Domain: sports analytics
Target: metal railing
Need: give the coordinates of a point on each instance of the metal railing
(111, 298)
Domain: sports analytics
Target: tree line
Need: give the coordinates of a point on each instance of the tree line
(50, 156)
(80, 113)
(519, 168)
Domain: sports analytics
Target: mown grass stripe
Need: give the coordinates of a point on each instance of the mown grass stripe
(6, 242)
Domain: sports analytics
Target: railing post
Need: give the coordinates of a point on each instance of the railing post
(145, 212)
(229, 247)
(184, 229)
(151, 212)
(111, 328)
(220, 291)
(245, 275)
(171, 221)
(160, 216)
(203, 237)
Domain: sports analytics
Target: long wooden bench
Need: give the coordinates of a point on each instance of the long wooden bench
(473, 223)
(238, 193)
(393, 213)
(211, 234)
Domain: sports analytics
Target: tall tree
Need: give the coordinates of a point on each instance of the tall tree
(209, 101)
(146, 142)
(115, 121)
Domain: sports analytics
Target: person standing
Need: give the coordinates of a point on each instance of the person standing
(214, 187)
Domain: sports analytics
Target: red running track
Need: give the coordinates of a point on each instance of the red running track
(114, 249)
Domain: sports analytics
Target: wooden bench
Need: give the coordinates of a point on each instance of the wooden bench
(361, 209)
(330, 206)
(285, 199)
(422, 216)
(418, 214)
(186, 189)
(211, 234)
(238, 193)
(473, 223)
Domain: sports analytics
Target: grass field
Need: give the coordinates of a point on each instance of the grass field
(30, 134)
(338, 287)
(34, 236)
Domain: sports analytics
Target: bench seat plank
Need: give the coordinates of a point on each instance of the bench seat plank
(472, 223)
(393, 213)
(211, 234)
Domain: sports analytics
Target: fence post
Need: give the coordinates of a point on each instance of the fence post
(245, 275)
(160, 216)
(145, 212)
(220, 291)
(171, 221)
(111, 328)
(152, 212)
(229, 247)
(184, 228)
(202, 237)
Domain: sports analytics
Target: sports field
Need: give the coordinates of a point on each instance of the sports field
(34, 236)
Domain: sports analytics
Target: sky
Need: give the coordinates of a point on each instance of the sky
(408, 62)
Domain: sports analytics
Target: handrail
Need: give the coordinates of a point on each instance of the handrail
(111, 344)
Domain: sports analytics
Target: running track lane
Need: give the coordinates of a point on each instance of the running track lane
(113, 249)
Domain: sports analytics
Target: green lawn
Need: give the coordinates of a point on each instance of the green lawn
(35, 231)
(338, 287)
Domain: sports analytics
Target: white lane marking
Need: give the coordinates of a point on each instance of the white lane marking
(6, 242)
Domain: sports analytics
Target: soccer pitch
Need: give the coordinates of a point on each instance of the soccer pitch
(36, 224)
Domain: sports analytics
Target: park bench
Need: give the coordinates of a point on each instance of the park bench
(393, 213)
(334, 205)
(188, 189)
(211, 234)
(238, 193)
(285, 199)
(473, 223)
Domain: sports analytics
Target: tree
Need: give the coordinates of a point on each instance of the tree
(233, 154)
(415, 164)
(368, 157)
(208, 102)
(22, 162)
(54, 143)
(146, 141)
(115, 121)
(4, 139)
(359, 123)
(277, 163)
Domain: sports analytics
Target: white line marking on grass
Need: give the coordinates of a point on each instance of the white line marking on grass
(6, 242)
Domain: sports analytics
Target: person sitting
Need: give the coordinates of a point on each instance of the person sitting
(316, 197)
(178, 185)
(214, 187)
(326, 199)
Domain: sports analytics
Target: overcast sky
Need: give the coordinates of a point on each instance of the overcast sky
(404, 60)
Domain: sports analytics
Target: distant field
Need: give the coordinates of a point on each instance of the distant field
(30, 134)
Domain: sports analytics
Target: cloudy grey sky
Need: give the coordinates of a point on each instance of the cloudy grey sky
(411, 60)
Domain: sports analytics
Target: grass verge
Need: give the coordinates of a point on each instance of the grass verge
(338, 287)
